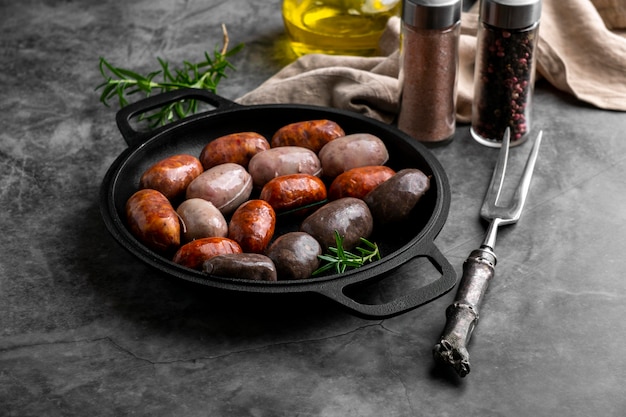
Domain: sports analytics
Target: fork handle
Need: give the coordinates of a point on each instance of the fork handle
(462, 315)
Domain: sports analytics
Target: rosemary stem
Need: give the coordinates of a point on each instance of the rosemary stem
(203, 75)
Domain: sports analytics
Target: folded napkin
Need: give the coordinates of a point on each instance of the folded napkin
(613, 12)
(579, 52)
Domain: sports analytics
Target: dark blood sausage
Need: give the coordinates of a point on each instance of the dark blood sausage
(290, 192)
(253, 266)
(153, 221)
(252, 225)
(349, 216)
(295, 255)
(172, 175)
(311, 134)
(195, 253)
(393, 200)
(358, 182)
(237, 148)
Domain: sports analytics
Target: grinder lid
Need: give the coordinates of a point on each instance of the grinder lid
(431, 14)
(510, 14)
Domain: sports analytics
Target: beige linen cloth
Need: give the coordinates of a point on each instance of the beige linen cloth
(580, 51)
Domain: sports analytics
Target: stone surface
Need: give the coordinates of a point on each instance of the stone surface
(87, 329)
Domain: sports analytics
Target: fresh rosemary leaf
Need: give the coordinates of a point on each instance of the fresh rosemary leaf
(340, 259)
(120, 83)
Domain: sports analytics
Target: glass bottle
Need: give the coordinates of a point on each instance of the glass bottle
(429, 69)
(338, 27)
(504, 75)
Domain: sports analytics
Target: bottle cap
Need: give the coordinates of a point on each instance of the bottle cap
(510, 14)
(431, 14)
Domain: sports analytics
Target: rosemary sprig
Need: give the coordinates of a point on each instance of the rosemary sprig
(120, 83)
(340, 259)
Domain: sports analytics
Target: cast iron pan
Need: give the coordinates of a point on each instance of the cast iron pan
(410, 242)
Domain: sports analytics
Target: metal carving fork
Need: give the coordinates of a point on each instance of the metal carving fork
(478, 269)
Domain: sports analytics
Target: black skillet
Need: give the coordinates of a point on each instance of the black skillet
(410, 242)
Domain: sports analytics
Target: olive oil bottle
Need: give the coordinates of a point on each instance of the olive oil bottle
(337, 27)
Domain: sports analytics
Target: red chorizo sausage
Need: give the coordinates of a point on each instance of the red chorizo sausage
(172, 175)
(252, 225)
(193, 254)
(289, 192)
(153, 221)
(237, 148)
(311, 134)
(358, 182)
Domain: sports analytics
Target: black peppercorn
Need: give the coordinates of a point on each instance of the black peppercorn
(505, 70)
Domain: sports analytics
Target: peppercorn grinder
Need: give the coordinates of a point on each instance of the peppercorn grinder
(505, 70)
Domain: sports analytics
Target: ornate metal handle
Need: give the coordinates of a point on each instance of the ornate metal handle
(462, 315)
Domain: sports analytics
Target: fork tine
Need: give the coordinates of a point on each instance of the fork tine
(499, 171)
(519, 197)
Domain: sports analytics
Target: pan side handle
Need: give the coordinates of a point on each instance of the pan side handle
(125, 114)
(406, 302)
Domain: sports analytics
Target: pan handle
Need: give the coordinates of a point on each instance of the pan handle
(125, 114)
(409, 301)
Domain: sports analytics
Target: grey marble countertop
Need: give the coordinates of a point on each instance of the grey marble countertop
(88, 330)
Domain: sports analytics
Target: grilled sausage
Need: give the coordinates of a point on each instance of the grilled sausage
(172, 175)
(358, 182)
(284, 160)
(393, 200)
(193, 254)
(290, 192)
(352, 151)
(153, 221)
(349, 216)
(226, 186)
(295, 255)
(253, 266)
(237, 148)
(310, 134)
(200, 218)
(252, 225)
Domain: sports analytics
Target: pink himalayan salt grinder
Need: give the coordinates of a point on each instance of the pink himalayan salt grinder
(429, 69)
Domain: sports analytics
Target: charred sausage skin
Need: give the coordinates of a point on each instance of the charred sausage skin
(172, 175)
(195, 253)
(153, 221)
(290, 192)
(236, 148)
(311, 134)
(252, 225)
(358, 182)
